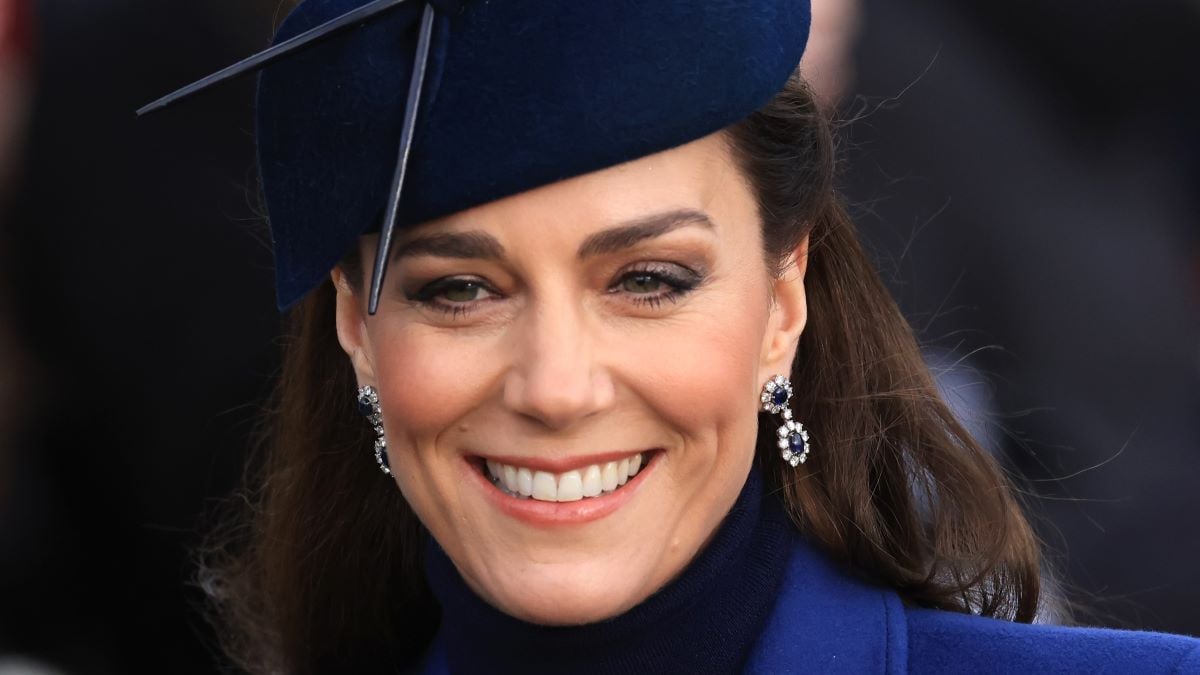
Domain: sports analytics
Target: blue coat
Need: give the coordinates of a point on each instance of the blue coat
(825, 621)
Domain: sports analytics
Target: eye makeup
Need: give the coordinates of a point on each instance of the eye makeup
(454, 295)
(652, 283)
(648, 283)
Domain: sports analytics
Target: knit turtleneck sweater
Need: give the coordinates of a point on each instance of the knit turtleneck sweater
(706, 620)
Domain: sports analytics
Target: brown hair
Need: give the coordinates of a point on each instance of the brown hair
(321, 559)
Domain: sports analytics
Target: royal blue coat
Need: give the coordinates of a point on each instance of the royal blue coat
(826, 621)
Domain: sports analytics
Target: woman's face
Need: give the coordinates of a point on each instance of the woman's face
(531, 352)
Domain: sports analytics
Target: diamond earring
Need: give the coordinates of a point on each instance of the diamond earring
(368, 407)
(792, 436)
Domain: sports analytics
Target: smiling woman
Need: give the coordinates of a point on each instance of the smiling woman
(566, 332)
(640, 401)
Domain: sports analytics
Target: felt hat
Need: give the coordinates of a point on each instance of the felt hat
(383, 114)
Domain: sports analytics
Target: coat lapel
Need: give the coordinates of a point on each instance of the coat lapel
(828, 622)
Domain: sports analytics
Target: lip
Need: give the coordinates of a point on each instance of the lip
(562, 464)
(552, 514)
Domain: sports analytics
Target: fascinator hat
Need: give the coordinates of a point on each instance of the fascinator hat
(377, 115)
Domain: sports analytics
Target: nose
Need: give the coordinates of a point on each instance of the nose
(555, 378)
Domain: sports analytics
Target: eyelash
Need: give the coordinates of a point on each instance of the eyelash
(679, 284)
(430, 293)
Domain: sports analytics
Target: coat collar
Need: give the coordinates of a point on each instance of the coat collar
(826, 621)
(707, 619)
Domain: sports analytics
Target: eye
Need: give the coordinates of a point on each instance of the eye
(453, 294)
(651, 283)
(642, 282)
(464, 290)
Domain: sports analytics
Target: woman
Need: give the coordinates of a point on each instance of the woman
(634, 398)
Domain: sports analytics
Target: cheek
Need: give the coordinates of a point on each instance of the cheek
(426, 380)
(705, 375)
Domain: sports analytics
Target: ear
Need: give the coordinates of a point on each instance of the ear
(352, 328)
(789, 314)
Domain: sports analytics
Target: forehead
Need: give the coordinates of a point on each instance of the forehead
(700, 176)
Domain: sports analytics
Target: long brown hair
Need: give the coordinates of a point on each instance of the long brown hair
(320, 559)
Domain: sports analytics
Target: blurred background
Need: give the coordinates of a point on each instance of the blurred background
(1025, 173)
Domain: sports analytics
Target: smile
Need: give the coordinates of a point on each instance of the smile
(585, 483)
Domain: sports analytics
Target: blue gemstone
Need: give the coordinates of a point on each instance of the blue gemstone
(383, 459)
(780, 397)
(364, 406)
(796, 443)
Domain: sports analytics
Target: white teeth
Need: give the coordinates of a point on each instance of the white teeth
(545, 487)
(570, 487)
(525, 481)
(592, 486)
(590, 481)
(608, 477)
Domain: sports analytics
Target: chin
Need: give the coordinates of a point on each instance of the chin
(566, 602)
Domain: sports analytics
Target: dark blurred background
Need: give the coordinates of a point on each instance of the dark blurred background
(1026, 174)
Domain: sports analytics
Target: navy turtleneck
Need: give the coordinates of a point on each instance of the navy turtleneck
(706, 620)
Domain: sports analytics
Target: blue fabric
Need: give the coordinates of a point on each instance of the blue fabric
(827, 621)
(705, 621)
(518, 94)
(941, 642)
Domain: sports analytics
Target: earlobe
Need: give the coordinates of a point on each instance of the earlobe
(789, 313)
(352, 328)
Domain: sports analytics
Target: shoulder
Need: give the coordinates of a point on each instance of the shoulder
(943, 641)
(826, 620)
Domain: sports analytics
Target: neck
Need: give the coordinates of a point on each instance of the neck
(706, 620)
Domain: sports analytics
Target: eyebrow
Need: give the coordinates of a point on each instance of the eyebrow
(628, 234)
(452, 245)
(481, 245)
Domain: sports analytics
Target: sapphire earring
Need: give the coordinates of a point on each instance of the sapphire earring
(368, 407)
(793, 438)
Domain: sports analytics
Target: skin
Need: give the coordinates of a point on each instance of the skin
(556, 355)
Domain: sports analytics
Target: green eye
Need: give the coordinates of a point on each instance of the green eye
(454, 295)
(641, 283)
(462, 291)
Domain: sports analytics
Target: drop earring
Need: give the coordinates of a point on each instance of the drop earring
(792, 438)
(368, 407)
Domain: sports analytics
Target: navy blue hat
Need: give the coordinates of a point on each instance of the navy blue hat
(515, 94)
